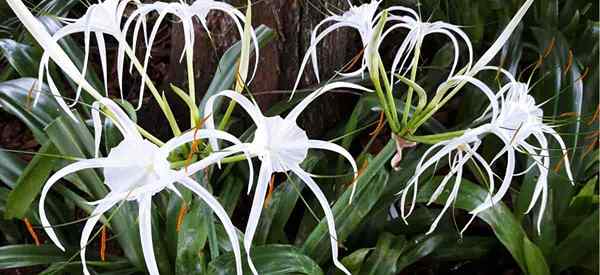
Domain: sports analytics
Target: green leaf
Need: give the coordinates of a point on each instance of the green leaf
(13, 256)
(384, 257)
(16, 97)
(23, 58)
(30, 182)
(536, 264)
(11, 167)
(269, 260)
(354, 261)
(348, 216)
(504, 224)
(420, 247)
(467, 248)
(192, 239)
(580, 242)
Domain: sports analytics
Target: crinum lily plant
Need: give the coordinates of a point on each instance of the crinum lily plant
(140, 167)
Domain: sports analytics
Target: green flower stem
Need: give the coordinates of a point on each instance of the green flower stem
(413, 76)
(233, 159)
(382, 99)
(194, 116)
(435, 138)
(227, 115)
(389, 93)
(152, 88)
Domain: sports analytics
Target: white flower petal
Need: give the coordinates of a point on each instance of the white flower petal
(453, 193)
(501, 40)
(145, 227)
(221, 214)
(294, 113)
(250, 108)
(324, 145)
(89, 226)
(310, 183)
(260, 191)
(69, 169)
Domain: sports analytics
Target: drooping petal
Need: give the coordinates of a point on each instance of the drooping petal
(310, 183)
(69, 169)
(250, 108)
(221, 214)
(311, 53)
(89, 226)
(294, 113)
(453, 193)
(324, 145)
(510, 168)
(145, 227)
(563, 148)
(257, 205)
(50, 46)
(97, 122)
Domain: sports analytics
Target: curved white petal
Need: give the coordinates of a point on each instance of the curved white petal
(145, 227)
(49, 45)
(257, 205)
(69, 169)
(221, 214)
(563, 148)
(453, 193)
(310, 183)
(89, 226)
(250, 108)
(510, 167)
(324, 145)
(501, 40)
(294, 113)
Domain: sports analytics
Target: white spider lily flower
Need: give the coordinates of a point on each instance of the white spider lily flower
(417, 31)
(101, 18)
(282, 145)
(361, 18)
(135, 170)
(518, 119)
(186, 13)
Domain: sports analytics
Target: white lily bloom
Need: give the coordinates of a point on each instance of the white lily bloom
(517, 120)
(417, 31)
(186, 13)
(101, 18)
(282, 146)
(362, 18)
(135, 170)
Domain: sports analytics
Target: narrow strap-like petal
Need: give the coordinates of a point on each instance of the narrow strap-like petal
(501, 40)
(221, 214)
(510, 168)
(324, 145)
(69, 169)
(294, 113)
(453, 194)
(250, 108)
(257, 205)
(312, 185)
(145, 226)
(89, 227)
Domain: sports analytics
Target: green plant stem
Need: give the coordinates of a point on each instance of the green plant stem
(152, 88)
(192, 90)
(435, 138)
(413, 76)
